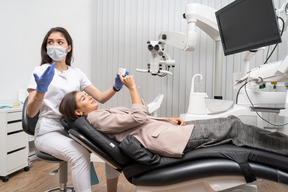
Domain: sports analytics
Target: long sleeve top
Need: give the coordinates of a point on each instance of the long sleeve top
(156, 134)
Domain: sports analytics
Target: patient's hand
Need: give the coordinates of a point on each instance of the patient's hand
(178, 121)
(128, 81)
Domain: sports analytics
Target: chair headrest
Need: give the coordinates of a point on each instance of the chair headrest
(68, 124)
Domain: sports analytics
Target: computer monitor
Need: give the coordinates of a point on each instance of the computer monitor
(247, 25)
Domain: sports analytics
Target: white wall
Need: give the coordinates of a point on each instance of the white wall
(109, 34)
(24, 23)
(121, 31)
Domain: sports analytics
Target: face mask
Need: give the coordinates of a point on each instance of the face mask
(56, 53)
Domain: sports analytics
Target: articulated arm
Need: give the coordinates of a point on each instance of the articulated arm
(196, 15)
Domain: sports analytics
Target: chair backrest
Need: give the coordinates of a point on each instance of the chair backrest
(28, 123)
(110, 146)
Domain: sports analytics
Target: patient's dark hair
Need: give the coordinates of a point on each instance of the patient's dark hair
(68, 106)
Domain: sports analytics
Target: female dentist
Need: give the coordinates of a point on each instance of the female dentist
(53, 79)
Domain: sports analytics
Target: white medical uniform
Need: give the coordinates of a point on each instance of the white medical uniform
(50, 136)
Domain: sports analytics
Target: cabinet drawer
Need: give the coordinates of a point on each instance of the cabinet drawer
(17, 160)
(14, 126)
(14, 116)
(16, 141)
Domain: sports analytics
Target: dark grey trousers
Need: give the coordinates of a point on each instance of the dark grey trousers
(211, 132)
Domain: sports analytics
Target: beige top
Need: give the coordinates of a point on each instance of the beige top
(156, 134)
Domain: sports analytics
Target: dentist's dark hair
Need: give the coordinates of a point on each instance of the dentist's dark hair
(68, 106)
(44, 57)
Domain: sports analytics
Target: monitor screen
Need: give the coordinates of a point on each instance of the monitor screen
(247, 24)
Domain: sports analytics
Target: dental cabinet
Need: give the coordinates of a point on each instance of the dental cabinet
(14, 146)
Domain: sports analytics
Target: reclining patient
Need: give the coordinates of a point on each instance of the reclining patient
(169, 137)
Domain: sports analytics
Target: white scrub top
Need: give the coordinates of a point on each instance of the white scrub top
(73, 79)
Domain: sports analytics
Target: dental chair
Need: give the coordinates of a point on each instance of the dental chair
(220, 168)
(28, 125)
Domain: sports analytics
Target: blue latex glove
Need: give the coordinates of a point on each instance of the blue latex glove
(118, 83)
(44, 81)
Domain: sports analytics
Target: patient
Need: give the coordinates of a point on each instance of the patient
(169, 137)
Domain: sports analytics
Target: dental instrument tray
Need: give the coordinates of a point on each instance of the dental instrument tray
(267, 109)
